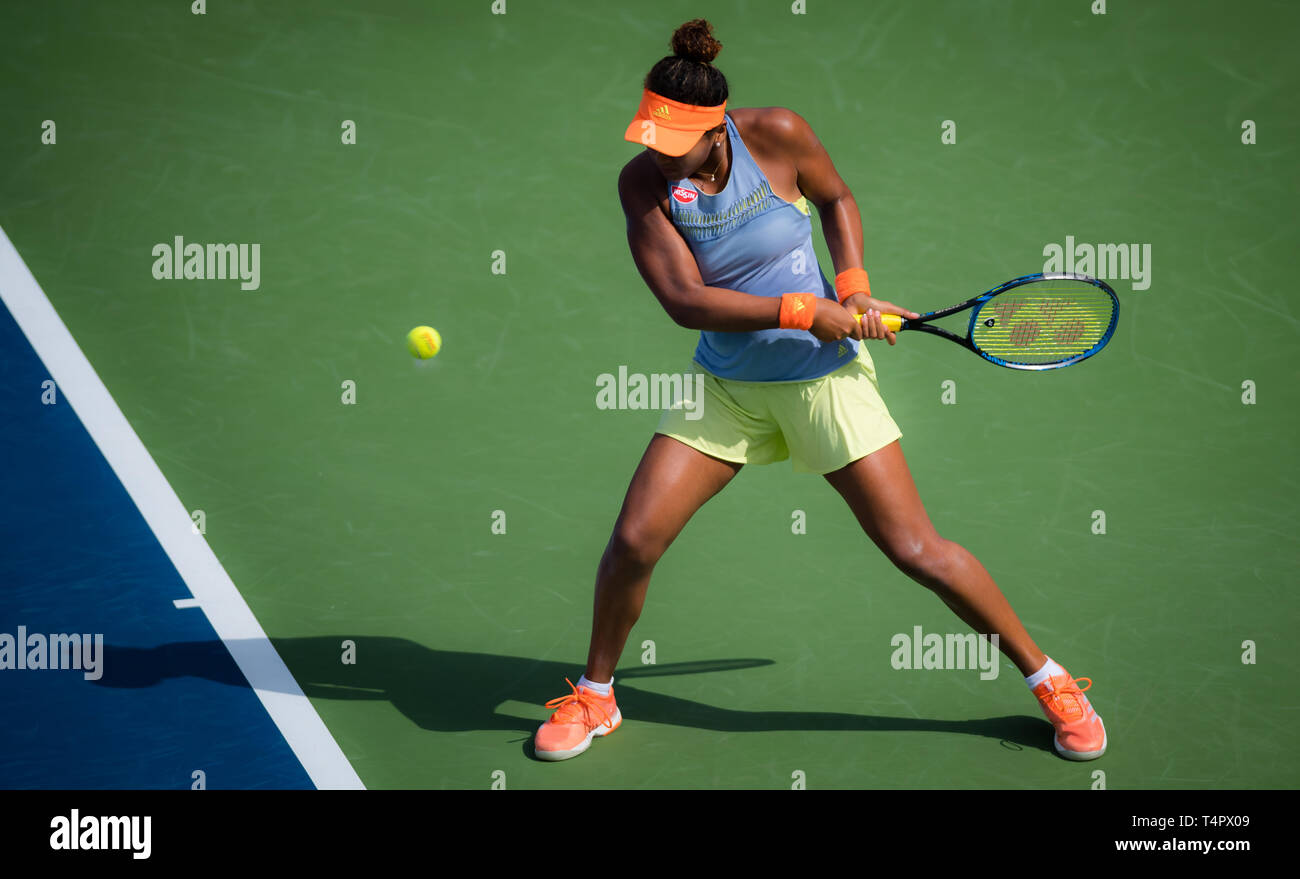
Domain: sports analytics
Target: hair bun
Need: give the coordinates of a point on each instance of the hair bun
(694, 41)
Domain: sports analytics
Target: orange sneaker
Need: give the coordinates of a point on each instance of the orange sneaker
(1080, 734)
(580, 716)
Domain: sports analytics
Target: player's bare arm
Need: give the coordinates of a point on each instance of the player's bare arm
(788, 134)
(670, 271)
(668, 266)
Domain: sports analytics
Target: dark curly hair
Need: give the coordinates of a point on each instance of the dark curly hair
(687, 75)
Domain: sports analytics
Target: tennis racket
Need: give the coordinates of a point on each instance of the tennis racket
(1043, 321)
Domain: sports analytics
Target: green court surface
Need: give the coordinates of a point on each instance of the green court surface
(477, 133)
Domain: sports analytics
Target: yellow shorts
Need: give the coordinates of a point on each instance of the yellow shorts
(822, 425)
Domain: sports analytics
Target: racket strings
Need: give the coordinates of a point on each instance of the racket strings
(1044, 322)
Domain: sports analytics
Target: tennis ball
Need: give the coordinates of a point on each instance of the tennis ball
(424, 342)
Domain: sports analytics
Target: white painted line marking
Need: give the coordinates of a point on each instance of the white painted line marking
(212, 587)
(186, 602)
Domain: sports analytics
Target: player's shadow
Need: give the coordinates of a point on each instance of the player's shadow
(457, 691)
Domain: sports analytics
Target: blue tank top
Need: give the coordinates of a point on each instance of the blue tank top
(749, 239)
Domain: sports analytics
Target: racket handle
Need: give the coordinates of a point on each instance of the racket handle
(892, 322)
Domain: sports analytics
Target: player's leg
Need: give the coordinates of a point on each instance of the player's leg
(672, 481)
(703, 439)
(880, 491)
(840, 427)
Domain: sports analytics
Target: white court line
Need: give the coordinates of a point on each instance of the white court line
(182, 603)
(212, 587)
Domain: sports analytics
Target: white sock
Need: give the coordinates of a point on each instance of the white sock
(1049, 669)
(602, 689)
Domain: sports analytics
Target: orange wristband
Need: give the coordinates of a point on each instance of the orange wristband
(797, 310)
(852, 281)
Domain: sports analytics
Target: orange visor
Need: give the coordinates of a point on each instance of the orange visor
(671, 127)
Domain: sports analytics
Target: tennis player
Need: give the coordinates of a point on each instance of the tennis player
(718, 222)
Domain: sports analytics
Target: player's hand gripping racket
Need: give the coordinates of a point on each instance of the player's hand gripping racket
(1043, 321)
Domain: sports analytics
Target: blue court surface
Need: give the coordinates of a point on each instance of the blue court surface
(76, 557)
